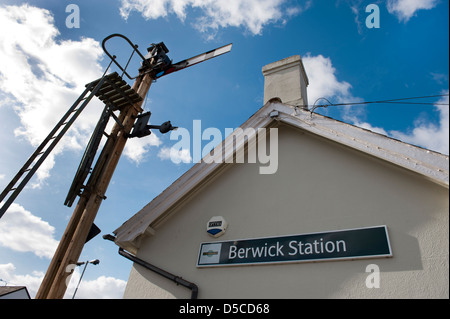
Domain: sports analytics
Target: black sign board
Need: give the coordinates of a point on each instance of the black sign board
(371, 242)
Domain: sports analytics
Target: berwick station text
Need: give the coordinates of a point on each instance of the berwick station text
(294, 248)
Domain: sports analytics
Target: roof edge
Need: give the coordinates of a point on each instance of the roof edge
(430, 164)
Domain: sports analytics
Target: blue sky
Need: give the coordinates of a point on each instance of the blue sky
(44, 66)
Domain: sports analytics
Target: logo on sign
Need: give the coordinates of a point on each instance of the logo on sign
(210, 253)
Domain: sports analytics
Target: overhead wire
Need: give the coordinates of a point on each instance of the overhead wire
(390, 101)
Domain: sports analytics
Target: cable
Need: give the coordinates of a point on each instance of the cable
(391, 101)
(417, 103)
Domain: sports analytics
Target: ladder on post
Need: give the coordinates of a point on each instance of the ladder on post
(30, 167)
(116, 94)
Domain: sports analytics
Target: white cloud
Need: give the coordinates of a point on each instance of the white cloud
(250, 14)
(31, 281)
(428, 135)
(177, 156)
(136, 148)
(406, 9)
(357, 7)
(42, 77)
(21, 231)
(100, 288)
(440, 78)
(323, 81)
(325, 88)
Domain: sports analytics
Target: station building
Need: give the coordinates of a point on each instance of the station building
(341, 212)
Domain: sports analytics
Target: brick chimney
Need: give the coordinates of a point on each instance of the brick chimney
(287, 80)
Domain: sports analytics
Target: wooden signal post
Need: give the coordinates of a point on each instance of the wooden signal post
(54, 284)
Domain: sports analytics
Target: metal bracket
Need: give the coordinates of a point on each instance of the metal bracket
(113, 57)
(117, 120)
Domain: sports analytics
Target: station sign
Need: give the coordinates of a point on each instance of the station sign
(370, 242)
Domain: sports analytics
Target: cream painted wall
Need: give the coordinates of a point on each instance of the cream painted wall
(319, 186)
